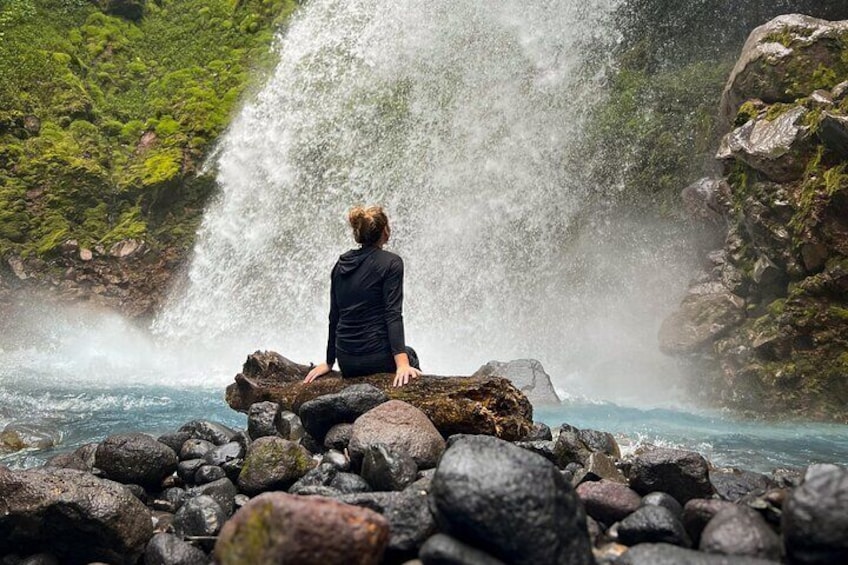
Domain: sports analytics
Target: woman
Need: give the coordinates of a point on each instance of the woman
(366, 303)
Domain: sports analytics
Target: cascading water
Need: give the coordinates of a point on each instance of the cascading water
(461, 117)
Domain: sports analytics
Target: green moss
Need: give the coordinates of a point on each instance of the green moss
(747, 112)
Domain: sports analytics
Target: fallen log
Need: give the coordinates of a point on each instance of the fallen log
(469, 405)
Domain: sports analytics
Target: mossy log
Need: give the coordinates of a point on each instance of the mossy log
(472, 405)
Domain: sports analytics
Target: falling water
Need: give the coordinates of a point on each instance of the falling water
(462, 118)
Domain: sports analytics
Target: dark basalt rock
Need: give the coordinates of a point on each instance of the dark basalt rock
(188, 468)
(445, 550)
(665, 500)
(208, 473)
(735, 484)
(349, 483)
(608, 501)
(170, 499)
(603, 442)
(336, 459)
(289, 426)
(338, 437)
(322, 413)
(322, 476)
(273, 464)
(199, 516)
(665, 554)
(223, 491)
(576, 446)
(175, 440)
(224, 453)
(79, 517)
(475, 405)
(135, 458)
(168, 549)
(386, 469)
(739, 530)
(652, 524)
(195, 449)
(493, 494)
(81, 459)
(262, 418)
(540, 431)
(682, 474)
(815, 520)
(218, 434)
(545, 448)
(697, 514)
(233, 469)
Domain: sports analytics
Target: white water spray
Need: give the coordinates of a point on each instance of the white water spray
(461, 118)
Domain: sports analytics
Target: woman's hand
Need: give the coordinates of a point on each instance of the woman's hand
(405, 374)
(316, 372)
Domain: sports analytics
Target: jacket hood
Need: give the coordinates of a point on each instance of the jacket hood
(350, 261)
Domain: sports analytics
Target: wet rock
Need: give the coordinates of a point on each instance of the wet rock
(294, 530)
(322, 475)
(78, 516)
(289, 426)
(540, 432)
(544, 448)
(224, 453)
(210, 431)
(40, 559)
(665, 554)
(222, 491)
(682, 474)
(815, 522)
(600, 442)
(608, 501)
(735, 484)
(338, 437)
(336, 459)
(22, 435)
(480, 483)
(262, 418)
(349, 483)
(199, 516)
(135, 458)
(195, 449)
(322, 413)
(273, 464)
(739, 530)
(188, 468)
(162, 521)
(833, 131)
(652, 524)
(665, 500)
(81, 459)
(445, 550)
(402, 428)
(233, 468)
(527, 375)
(168, 549)
(601, 466)
(208, 473)
(175, 440)
(138, 492)
(707, 200)
(700, 319)
(698, 512)
(311, 444)
(408, 515)
(170, 499)
(386, 469)
(569, 448)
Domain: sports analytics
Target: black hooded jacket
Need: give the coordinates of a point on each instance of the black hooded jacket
(366, 304)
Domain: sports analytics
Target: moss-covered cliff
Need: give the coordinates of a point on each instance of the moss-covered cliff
(107, 110)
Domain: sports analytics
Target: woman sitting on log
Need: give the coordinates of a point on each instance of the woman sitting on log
(366, 306)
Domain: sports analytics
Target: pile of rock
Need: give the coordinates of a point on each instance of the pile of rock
(357, 477)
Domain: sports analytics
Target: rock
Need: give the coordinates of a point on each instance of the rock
(320, 414)
(199, 516)
(698, 512)
(336, 459)
(81, 459)
(86, 254)
(188, 468)
(665, 500)
(601, 466)
(338, 437)
(408, 515)
(682, 474)
(833, 132)
(601, 442)
(170, 499)
(527, 375)
(208, 473)
(783, 70)
(401, 427)
(210, 431)
(493, 494)
(320, 476)
(127, 247)
(21, 435)
(445, 550)
(734, 484)
(168, 549)
(652, 524)
(569, 448)
(273, 463)
(233, 469)
(386, 469)
(665, 554)
(815, 523)
(540, 432)
(78, 516)
(700, 319)
(284, 528)
(777, 148)
(262, 418)
(739, 530)
(608, 501)
(348, 483)
(195, 449)
(224, 453)
(135, 458)
(138, 492)
(541, 447)
(40, 559)
(175, 440)
(289, 426)
(707, 200)
(222, 491)
(478, 405)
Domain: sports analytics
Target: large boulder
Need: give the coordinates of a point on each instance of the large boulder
(527, 375)
(815, 520)
(476, 405)
(322, 413)
(401, 427)
(739, 530)
(284, 528)
(273, 463)
(135, 458)
(516, 504)
(79, 517)
(682, 474)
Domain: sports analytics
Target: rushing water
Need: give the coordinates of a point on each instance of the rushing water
(463, 118)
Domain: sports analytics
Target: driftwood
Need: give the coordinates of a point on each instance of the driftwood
(472, 405)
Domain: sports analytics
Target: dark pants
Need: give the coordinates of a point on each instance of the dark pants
(373, 363)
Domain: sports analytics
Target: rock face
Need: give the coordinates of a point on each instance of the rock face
(478, 405)
(764, 323)
(79, 517)
(527, 375)
(135, 458)
(284, 528)
(516, 504)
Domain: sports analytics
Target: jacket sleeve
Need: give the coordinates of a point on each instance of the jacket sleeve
(334, 321)
(393, 299)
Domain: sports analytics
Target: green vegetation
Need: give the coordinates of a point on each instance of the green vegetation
(105, 122)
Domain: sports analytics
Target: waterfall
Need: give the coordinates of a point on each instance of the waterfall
(462, 118)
